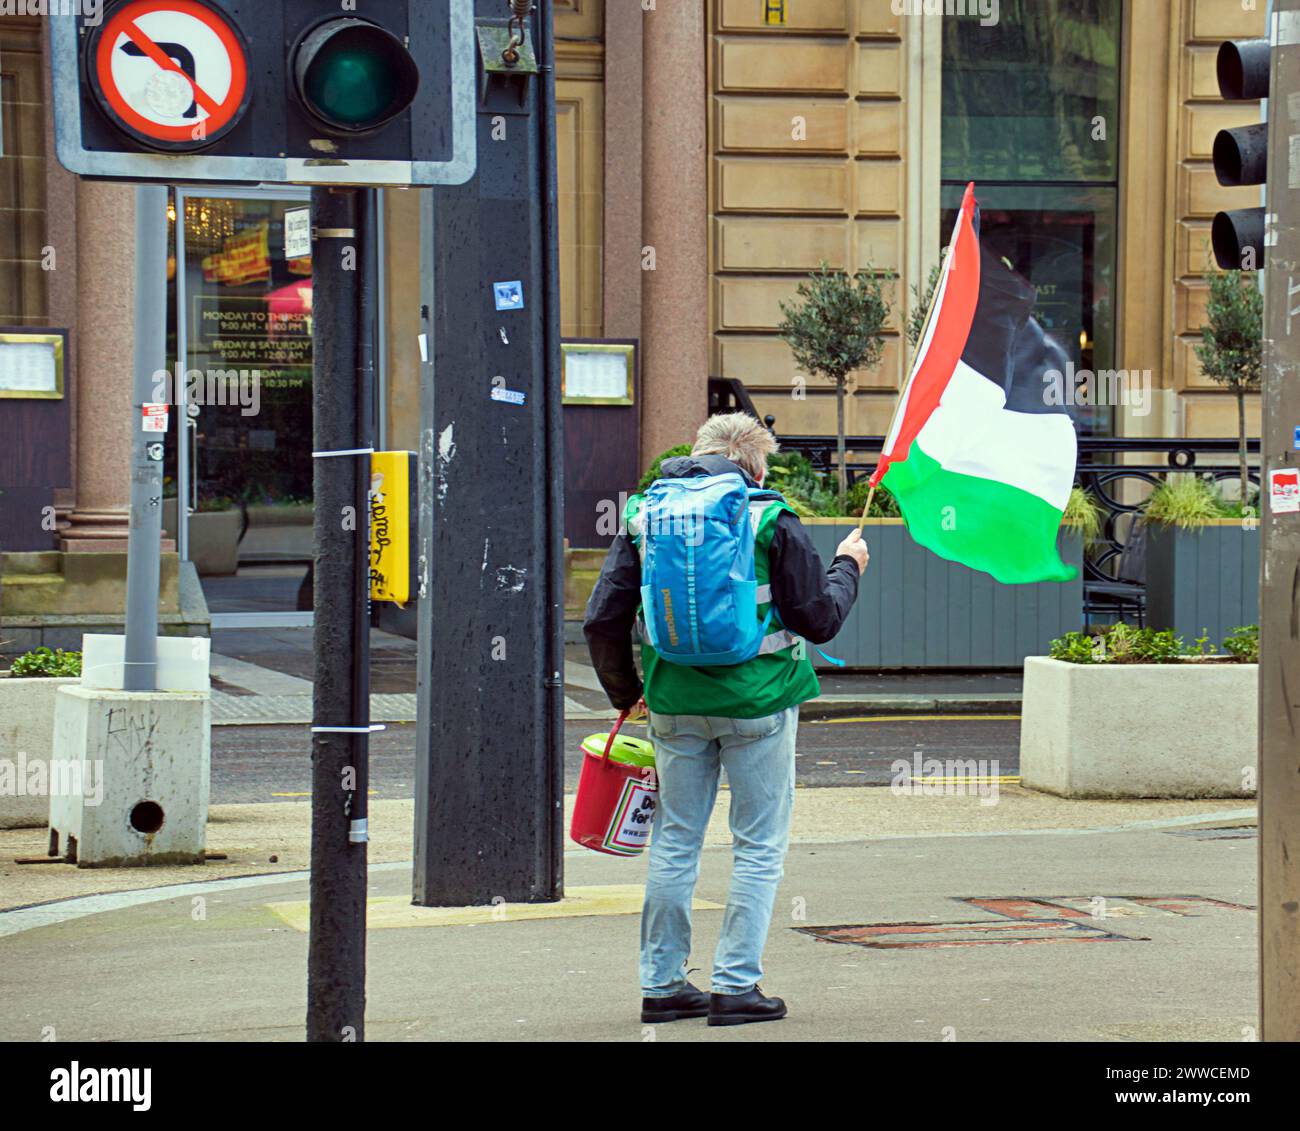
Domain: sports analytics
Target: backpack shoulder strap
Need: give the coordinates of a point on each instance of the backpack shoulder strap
(764, 504)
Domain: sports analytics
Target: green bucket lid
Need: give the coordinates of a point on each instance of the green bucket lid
(629, 751)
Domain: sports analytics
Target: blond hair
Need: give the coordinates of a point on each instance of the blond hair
(738, 436)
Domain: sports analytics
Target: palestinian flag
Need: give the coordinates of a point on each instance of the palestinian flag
(980, 462)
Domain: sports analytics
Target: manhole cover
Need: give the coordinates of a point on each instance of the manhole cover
(1026, 919)
(1232, 832)
(894, 936)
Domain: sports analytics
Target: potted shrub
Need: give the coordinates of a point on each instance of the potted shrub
(1202, 559)
(835, 328)
(27, 695)
(1231, 350)
(1136, 713)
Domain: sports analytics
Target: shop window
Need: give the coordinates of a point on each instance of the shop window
(1031, 115)
(22, 175)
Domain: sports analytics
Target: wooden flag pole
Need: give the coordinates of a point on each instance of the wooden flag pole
(871, 494)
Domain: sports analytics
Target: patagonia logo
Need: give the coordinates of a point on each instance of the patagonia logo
(668, 617)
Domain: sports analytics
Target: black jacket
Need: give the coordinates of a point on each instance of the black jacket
(812, 601)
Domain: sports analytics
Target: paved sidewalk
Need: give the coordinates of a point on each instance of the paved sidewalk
(1143, 934)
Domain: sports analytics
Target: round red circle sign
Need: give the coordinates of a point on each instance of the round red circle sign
(171, 73)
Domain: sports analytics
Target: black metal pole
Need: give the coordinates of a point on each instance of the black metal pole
(336, 952)
(489, 817)
(554, 440)
(367, 307)
(1279, 616)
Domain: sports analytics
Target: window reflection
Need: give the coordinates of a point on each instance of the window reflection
(1031, 110)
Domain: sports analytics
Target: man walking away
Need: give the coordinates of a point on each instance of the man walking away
(706, 715)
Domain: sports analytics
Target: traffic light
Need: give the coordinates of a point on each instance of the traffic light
(268, 91)
(1238, 237)
(353, 75)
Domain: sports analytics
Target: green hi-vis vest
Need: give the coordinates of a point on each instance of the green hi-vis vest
(780, 676)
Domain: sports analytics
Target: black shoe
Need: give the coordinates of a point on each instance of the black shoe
(742, 1009)
(688, 1002)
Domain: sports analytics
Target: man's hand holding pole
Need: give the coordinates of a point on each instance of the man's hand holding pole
(854, 547)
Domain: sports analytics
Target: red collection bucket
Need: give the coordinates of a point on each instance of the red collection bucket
(617, 794)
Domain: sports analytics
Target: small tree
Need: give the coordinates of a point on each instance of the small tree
(1230, 352)
(833, 328)
(916, 319)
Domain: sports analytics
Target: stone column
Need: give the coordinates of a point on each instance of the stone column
(675, 295)
(103, 380)
(623, 227)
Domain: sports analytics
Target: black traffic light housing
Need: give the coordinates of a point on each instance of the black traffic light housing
(353, 76)
(384, 95)
(1241, 155)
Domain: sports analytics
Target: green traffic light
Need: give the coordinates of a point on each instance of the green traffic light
(354, 75)
(350, 87)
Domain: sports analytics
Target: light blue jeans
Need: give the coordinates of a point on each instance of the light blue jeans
(690, 753)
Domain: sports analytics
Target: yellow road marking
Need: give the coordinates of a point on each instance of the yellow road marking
(397, 911)
(907, 718)
(369, 793)
(977, 779)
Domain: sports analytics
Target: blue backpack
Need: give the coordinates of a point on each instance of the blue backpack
(699, 597)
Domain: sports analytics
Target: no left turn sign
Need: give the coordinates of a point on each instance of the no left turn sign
(171, 73)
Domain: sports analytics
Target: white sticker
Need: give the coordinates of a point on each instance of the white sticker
(1284, 490)
(424, 347)
(635, 814)
(297, 233)
(153, 417)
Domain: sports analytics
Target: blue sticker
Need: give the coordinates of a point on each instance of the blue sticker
(1296, 442)
(509, 296)
(508, 396)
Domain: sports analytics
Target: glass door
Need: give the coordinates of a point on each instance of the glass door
(242, 376)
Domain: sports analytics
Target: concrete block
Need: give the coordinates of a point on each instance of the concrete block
(26, 736)
(182, 663)
(144, 759)
(1139, 730)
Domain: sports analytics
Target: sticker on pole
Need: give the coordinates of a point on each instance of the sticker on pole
(297, 233)
(509, 296)
(1284, 490)
(172, 74)
(153, 417)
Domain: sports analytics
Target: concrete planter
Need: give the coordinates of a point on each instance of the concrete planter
(214, 538)
(915, 610)
(1139, 730)
(26, 738)
(1200, 580)
(278, 532)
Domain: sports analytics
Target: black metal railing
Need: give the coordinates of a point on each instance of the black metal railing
(728, 394)
(1106, 464)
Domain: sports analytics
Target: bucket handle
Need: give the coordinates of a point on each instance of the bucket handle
(618, 723)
